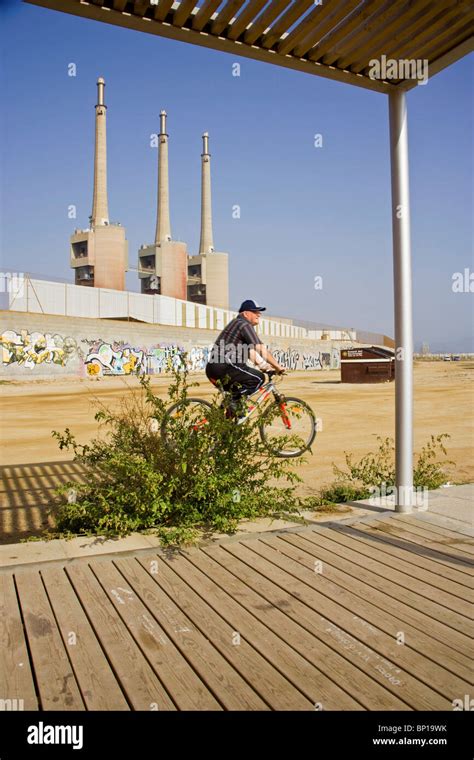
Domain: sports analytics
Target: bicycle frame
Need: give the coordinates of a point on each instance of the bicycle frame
(262, 396)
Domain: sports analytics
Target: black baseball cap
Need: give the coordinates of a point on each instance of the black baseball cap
(251, 306)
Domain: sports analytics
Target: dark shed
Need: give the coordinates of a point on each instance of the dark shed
(370, 364)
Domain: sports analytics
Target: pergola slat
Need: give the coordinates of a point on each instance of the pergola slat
(140, 7)
(264, 20)
(224, 16)
(182, 13)
(457, 33)
(246, 17)
(404, 26)
(376, 20)
(335, 39)
(451, 15)
(284, 22)
(162, 9)
(452, 54)
(119, 5)
(204, 14)
(340, 13)
(429, 41)
(309, 23)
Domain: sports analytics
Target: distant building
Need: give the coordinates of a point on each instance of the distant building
(99, 255)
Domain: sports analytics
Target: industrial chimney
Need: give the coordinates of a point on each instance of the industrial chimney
(100, 206)
(163, 226)
(206, 244)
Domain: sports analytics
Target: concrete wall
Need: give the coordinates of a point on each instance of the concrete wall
(41, 345)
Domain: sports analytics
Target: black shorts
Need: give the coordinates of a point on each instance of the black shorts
(238, 379)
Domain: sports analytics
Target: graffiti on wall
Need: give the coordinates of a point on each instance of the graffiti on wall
(288, 359)
(124, 359)
(31, 349)
(102, 357)
(114, 359)
(292, 359)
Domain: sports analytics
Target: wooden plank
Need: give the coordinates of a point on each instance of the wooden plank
(162, 9)
(177, 676)
(424, 597)
(57, 686)
(440, 552)
(232, 691)
(463, 543)
(16, 679)
(348, 613)
(342, 11)
(224, 44)
(349, 663)
(370, 23)
(204, 14)
(453, 647)
(247, 16)
(98, 685)
(366, 41)
(410, 561)
(414, 46)
(219, 618)
(225, 14)
(285, 21)
(183, 12)
(396, 33)
(441, 59)
(271, 12)
(333, 42)
(143, 689)
(140, 7)
(443, 521)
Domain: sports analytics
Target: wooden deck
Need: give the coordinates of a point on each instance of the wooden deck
(368, 615)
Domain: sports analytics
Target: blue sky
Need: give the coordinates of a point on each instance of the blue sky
(305, 211)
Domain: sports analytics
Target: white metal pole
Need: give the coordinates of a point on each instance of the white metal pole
(403, 302)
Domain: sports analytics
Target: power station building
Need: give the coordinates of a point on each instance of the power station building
(99, 254)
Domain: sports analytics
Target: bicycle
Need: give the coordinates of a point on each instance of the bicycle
(287, 424)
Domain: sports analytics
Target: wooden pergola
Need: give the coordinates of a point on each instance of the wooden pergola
(342, 40)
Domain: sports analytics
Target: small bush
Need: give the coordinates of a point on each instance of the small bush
(377, 470)
(189, 483)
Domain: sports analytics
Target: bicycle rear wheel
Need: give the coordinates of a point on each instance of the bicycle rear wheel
(193, 413)
(288, 427)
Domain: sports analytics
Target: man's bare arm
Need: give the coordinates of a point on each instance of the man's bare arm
(267, 355)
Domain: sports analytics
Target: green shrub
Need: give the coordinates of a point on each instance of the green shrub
(377, 470)
(180, 486)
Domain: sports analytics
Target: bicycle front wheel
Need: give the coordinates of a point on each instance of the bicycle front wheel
(288, 427)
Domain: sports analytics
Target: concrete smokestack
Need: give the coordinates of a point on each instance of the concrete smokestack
(206, 244)
(163, 225)
(100, 207)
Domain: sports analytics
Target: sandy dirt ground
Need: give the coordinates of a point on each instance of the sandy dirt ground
(352, 416)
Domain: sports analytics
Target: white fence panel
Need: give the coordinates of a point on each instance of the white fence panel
(140, 306)
(113, 304)
(190, 314)
(82, 301)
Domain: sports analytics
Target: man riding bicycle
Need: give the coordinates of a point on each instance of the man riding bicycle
(235, 346)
